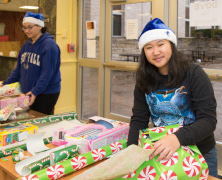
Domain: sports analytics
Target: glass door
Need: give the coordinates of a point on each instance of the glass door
(124, 23)
(108, 53)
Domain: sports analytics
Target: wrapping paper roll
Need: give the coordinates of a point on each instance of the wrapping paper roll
(8, 152)
(33, 167)
(55, 157)
(73, 164)
(64, 154)
(45, 119)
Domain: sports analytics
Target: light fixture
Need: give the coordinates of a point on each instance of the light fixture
(29, 7)
(27, 4)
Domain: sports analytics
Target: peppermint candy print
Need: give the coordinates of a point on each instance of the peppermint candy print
(30, 177)
(48, 140)
(115, 147)
(191, 167)
(139, 141)
(201, 158)
(172, 130)
(36, 121)
(168, 175)
(75, 151)
(78, 162)
(46, 159)
(65, 152)
(148, 173)
(37, 164)
(172, 161)
(129, 176)
(187, 149)
(147, 146)
(204, 174)
(6, 153)
(55, 172)
(53, 155)
(98, 154)
(158, 129)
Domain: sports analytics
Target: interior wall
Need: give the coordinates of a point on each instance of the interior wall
(66, 33)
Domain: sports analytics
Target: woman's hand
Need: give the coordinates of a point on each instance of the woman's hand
(166, 147)
(21, 94)
(31, 97)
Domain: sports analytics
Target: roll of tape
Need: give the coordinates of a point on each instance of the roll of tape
(17, 155)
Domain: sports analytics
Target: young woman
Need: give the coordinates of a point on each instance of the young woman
(169, 90)
(38, 66)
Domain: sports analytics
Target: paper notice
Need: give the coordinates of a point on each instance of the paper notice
(90, 29)
(91, 48)
(132, 29)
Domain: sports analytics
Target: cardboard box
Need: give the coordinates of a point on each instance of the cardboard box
(96, 133)
(13, 134)
(22, 101)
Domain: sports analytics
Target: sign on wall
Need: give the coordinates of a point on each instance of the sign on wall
(132, 29)
(206, 13)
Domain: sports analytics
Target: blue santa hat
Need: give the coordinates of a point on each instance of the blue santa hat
(155, 30)
(35, 18)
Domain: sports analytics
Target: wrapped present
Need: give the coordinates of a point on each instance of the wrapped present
(186, 163)
(10, 89)
(97, 132)
(21, 101)
(13, 134)
(8, 113)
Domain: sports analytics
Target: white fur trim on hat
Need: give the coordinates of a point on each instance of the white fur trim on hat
(156, 34)
(33, 20)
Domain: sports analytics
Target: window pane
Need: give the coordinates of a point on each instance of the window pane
(122, 88)
(200, 32)
(117, 22)
(89, 92)
(200, 39)
(90, 27)
(217, 90)
(127, 24)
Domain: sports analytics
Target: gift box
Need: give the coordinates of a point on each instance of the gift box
(96, 133)
(186, 163)
(8, 113)
(13, 134)
(22, 101)
(10, 89)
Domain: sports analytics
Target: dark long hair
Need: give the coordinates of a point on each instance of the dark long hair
(43, 30)
(148, 76)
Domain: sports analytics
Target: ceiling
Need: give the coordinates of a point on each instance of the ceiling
(14, 5)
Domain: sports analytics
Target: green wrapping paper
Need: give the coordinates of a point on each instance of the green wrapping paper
(73, 164)
(54, 157)
(45, 119)
(64, 154)
(186, 163)
(8, 152)
(43, 163)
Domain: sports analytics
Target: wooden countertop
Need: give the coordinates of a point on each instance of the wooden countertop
(7, 169)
